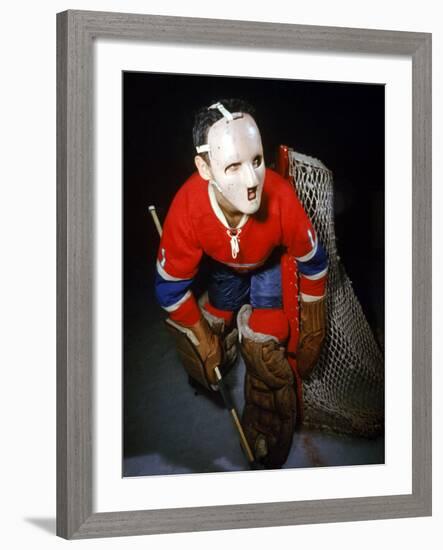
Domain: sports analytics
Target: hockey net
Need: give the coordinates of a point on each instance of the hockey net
(345, 393)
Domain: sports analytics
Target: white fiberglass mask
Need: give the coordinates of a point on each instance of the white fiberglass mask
(236, 161)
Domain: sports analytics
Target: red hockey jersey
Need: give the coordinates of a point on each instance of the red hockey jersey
(195, 225)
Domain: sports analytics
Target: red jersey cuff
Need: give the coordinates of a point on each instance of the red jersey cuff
(313, 288)
(187, 314)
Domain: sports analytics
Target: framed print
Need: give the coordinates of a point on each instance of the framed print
(143, 446)
(319, 117)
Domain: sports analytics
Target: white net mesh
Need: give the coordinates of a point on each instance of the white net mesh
(346, 390)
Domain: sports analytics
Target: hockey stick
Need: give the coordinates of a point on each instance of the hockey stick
(157, 223)
(230, 406)
(221, 384)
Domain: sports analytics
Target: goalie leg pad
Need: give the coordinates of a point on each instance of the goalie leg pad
(270, 400)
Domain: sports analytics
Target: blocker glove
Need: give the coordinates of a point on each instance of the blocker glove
(199, 350)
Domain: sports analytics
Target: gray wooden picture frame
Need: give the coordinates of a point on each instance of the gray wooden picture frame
(76, 32)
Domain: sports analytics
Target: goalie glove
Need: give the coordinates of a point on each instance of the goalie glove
(312, 335)
(228, 336)
(199, 350)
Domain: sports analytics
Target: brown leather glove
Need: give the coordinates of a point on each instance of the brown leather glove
(312, 334)
(208, 348)
(228, 338)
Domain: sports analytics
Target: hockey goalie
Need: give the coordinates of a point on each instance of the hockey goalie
(267, 278)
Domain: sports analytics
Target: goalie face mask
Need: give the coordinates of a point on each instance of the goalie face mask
(237, 167)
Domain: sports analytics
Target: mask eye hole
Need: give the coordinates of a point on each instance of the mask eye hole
(232, 168)
(258, 159)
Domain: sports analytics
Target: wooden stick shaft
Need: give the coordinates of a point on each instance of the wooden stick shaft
(156, 220)
(243, 439)
(237, 423)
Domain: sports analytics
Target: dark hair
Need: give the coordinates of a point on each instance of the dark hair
(206, 117)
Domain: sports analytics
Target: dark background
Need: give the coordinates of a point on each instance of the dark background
(340, 124)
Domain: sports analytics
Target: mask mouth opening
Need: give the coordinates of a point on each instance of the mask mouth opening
(252, 193)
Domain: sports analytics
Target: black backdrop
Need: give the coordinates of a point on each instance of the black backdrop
(341, 124)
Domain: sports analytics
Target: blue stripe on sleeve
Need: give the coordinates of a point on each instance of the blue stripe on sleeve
(170, 292)
(316, 264)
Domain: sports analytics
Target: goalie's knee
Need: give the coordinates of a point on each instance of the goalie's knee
(270, 321)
